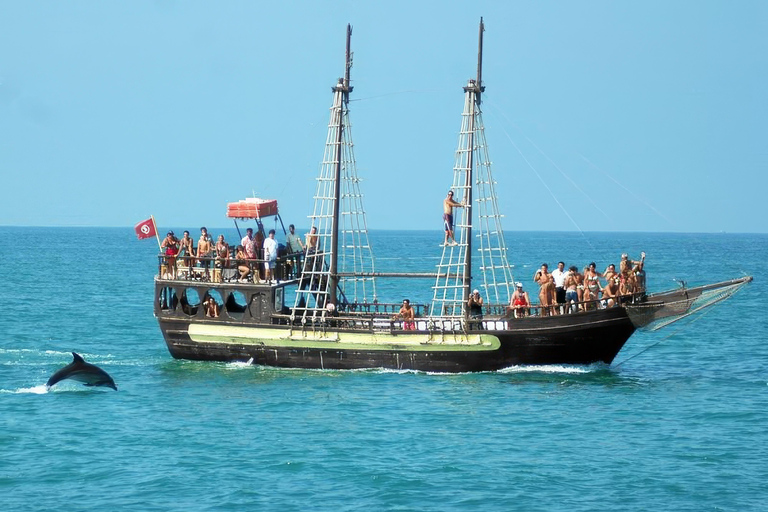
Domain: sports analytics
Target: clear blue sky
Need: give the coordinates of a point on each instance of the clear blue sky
(112, 111)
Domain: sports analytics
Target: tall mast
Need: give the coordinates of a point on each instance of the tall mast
(476, 88)
(345, 89)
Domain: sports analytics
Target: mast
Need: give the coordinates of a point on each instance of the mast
(344, 88)
(475, 87)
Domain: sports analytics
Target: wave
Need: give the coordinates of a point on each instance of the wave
(240, 364)
(35, 390)
(553, 368)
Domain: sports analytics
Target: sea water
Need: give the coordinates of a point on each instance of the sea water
(681, 426)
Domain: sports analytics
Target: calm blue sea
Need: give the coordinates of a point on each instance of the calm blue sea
(683, 426)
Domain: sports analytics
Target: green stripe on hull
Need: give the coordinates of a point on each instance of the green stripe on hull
(332, 340)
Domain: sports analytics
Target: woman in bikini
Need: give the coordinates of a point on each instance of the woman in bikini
(592, 286)
(171, 246)
(242, 264)
(547, 292)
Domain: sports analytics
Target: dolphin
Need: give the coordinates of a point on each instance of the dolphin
(79, 370)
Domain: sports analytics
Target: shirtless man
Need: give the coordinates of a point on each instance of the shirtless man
(312, 239)
(205, 251)
(448, 206)
(611, 292)
(519, 303)
(627, 264)
(639, 276)
(222, 253)
(547, 291)
(188, 249)
(406, 313)
(571, 289)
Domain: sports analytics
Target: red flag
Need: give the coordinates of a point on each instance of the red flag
(145, 229)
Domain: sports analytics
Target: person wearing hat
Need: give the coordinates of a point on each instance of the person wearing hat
(475, 305)
(520, 302)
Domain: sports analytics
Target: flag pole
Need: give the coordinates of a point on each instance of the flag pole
(154, 225)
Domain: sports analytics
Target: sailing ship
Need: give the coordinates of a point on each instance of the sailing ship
(335, 320)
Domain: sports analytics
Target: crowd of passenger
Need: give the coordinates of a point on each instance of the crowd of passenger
(570, 291)
(254, 259)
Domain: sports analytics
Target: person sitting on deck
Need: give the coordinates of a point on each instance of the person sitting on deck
(407, 314)
(520, 302)
(171, 246)
(475, 305)
(242, 264)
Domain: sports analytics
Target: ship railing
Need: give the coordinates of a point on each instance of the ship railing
(571, 308)
(216, 269)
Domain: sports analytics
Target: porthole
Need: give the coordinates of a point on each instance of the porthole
(212, 303)
(167, 299)
(190, 301)
(236, 304)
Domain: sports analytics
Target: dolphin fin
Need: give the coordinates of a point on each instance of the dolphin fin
(77, 358)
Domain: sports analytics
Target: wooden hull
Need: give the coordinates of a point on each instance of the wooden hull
(584, 338)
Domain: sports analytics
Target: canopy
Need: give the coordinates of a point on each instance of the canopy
(252, 208)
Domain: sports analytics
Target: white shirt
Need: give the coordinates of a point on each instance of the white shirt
(559, 277)
(270, 249)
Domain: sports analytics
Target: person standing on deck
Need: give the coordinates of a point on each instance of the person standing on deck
(407, 314)
(205, 251)
(559, 275)
(475, 305)
(187, 250)
(270, 256)
(247, 243)
(171, 246)
(571, 289)
(448, 206)
(547, 291)
(295, 248)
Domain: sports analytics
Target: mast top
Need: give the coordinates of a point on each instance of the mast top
(477, 84)
(343, 84)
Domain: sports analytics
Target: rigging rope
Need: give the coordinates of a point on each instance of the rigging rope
(575, 185)
(657, 212)
(547, 187)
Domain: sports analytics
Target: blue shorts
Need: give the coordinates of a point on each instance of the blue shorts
(571, 295)
(448, 221)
